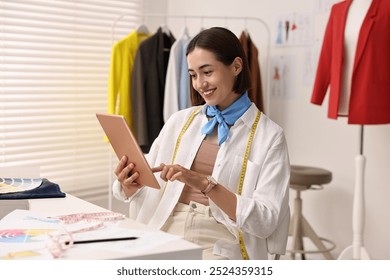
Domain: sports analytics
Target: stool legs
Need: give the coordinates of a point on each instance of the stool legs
(296, 228)
(299, 228)
(309, 232)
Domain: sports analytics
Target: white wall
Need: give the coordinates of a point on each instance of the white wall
(313, 139)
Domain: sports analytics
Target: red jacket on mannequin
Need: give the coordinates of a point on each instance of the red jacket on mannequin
(370, 87)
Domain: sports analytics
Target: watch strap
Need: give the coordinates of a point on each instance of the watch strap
(211, 184)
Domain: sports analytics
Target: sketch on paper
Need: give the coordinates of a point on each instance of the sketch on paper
(281, 84)
(294, 30)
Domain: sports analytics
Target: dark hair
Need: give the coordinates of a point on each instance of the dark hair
(226, 47)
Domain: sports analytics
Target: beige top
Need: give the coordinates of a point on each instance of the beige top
(204, 164)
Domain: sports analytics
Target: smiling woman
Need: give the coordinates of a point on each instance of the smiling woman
(53, 79)
(234, 211)
(213, 48)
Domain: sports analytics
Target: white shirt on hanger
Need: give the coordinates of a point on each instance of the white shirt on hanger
(174, 75)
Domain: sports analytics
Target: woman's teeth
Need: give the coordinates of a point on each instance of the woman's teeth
(208, 92)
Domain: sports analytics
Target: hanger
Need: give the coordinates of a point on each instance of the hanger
(246, 32)
(142, 28)
(165, 28)
(202, 24)
(185, 33)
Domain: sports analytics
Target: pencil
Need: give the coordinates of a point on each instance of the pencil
(104, 240)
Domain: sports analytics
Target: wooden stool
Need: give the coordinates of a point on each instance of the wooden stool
(305, 178)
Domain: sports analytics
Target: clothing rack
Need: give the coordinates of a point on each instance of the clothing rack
(257, 20)
(202, 18)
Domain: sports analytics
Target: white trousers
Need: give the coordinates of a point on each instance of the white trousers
(195, 223)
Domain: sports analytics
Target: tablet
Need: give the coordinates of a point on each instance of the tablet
(124, 143)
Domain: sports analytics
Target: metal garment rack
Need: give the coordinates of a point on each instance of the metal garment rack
(259, 21)
(144, 16)
(202, 18)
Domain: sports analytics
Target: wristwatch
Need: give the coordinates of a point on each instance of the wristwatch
(211, 184)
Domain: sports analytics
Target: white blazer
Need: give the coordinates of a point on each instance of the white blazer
(263, 206)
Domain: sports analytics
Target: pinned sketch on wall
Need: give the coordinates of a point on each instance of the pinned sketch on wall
(294, 30)
(281, 84)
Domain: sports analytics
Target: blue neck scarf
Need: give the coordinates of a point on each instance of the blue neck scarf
(226, 117)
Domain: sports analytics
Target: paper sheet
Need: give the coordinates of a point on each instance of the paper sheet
(25, 235)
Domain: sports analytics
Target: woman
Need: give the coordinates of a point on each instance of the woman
(220, 188)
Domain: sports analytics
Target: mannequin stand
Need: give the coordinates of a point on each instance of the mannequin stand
(357, 251)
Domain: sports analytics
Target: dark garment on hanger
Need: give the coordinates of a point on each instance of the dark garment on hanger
(147, 86)
(251, 52)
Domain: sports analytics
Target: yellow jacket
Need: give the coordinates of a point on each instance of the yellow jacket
(122, 59)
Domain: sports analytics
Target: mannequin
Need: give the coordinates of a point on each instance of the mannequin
(356, 14)
(354, 65)
(365, 68)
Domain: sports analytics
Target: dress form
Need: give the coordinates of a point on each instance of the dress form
(355, 17)
(356, 14)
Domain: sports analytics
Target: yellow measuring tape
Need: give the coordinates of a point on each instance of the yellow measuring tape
(244, 253)
(183, 130)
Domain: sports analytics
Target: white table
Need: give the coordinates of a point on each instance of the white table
(177, 249)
